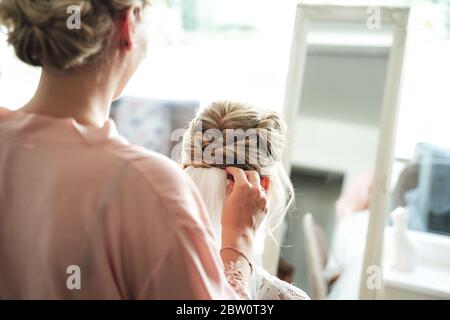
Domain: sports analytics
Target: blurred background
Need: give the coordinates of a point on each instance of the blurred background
(204, 50)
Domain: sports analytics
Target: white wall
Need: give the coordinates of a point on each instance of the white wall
(337, 125)
(334, 146)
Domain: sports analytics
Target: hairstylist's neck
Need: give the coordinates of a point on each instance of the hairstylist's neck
(79, 94)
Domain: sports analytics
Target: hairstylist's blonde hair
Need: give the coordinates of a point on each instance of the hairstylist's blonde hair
(271, 133)
(37, 29)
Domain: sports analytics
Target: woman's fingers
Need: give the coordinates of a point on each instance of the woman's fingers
(253, 178)
(238, 175)
(244, 177)
(248, 184)
(244, 209)
(249, 180)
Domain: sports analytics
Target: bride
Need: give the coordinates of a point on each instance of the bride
(236, 134)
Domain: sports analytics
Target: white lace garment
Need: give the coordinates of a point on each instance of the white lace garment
(269, 287)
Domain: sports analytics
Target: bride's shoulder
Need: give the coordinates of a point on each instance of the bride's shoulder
(273, 288)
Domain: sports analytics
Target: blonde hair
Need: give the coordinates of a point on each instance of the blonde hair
(266, 158)
(39, 34)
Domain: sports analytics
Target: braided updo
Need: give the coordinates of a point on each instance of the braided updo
(202, 150)
(257, 146)
(37, 29)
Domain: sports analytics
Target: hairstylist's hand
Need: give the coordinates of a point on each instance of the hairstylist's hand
(244, 209)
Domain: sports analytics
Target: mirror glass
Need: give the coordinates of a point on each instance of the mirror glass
(333, 156)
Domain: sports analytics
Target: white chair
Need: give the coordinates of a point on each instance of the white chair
(315, 258)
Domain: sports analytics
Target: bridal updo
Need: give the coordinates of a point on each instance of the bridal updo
(237, 134)
(38, 31)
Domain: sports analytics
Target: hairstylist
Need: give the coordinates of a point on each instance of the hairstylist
(84, 214)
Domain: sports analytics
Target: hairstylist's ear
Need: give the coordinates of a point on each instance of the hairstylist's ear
(265, 183)
(127, 27)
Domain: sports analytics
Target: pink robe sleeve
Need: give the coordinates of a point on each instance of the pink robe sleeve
(170, 251)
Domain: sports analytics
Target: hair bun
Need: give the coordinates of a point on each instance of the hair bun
(38, 31)
(263, 145)
(224, 115)
(29, 40)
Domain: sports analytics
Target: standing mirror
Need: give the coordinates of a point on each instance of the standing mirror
(341, 107)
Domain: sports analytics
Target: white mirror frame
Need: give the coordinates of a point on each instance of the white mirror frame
(398, 18)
